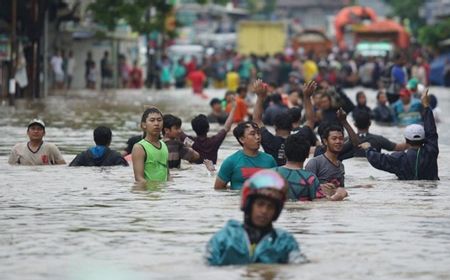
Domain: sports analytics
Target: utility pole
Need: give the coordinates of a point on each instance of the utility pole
(13, 54)
(34, 77)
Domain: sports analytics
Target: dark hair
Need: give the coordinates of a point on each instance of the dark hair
(200, 125)
(415, 142)
(329, 128)
(359, 94)
(239, 130)
(295, 114)
(380, 92)
(241, 89)
(229, 92)
(283, 121)
(148, 111)
(102, 136)
(362, 120)
(272, 84)
(170, 120)
(214, 101)
(276, 98)
(296, 148)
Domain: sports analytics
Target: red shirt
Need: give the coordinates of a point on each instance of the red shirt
(197, 79)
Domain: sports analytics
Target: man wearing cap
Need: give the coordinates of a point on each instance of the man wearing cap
(419, 162)
(408, 109)
(35, 151)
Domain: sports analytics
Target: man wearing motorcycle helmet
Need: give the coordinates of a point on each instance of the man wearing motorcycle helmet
(255, 240)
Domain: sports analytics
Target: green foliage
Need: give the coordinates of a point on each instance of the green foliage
(408, 9)
(135, 14)
(432, 35)
(110, 12)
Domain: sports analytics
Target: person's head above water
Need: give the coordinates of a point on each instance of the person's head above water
(414, 135)
(102, 136)
(152, 121)
(333, 137)
(248, 135)
(362, 120)
(262, 198)
(36, 130)
(171, 126)
(296, 148)
(200, 125)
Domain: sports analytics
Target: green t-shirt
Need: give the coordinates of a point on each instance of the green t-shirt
(155, 165)
(238, 167)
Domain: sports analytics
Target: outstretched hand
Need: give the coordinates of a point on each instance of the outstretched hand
(341, 115)
(425, 99)
(260, 88)
(309, 89)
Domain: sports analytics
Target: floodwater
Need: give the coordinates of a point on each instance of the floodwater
(58, 222)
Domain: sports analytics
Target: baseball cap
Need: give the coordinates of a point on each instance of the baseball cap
(405, 92)
(414, 132)
(36, 121)
(412, 84)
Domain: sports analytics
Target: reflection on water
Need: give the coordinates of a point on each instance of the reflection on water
(92, 223)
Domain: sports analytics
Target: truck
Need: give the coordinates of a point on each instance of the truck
(261, 37)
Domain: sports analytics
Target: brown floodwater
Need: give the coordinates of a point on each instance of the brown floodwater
(58, 222)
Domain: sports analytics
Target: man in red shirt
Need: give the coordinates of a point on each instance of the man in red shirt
(136, 76)
(197, 78)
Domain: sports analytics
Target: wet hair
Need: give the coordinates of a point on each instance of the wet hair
(102, 136)
(329, 128)
(239, 130)
(200, 125)
(296, 148)
(283, 121)
(148, 111)
(295, 113)
(362, 120)
(170, 120)
(214, 101)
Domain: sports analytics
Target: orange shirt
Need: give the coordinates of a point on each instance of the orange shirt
(241, 110)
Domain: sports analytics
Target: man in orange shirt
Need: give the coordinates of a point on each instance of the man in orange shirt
(241, 107)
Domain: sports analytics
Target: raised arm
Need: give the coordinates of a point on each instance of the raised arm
(308, 91)
(230, 118)
(342, 117)
(429, 124)
(260, 89)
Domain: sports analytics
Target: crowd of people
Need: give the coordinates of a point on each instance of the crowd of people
(267, 178)
(63, 67)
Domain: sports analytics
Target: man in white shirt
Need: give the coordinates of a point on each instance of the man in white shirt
(35, 151)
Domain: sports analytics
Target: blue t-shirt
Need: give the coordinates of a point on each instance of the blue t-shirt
(413, 116)
(238, 167)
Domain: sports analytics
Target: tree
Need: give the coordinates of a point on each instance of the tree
(408, 9)
(432, 35)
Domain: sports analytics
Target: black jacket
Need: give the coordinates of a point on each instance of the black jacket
(109, 158)
(412, 164)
